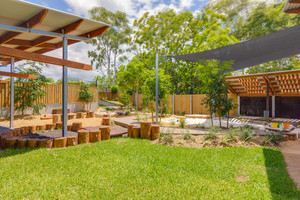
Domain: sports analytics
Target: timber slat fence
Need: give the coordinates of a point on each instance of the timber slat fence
(53, 94)
(183, 104)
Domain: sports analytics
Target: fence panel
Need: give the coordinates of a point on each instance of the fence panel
(182, 104)
(53, 94)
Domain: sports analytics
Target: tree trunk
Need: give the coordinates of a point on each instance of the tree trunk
(220, 121)
(227, 119)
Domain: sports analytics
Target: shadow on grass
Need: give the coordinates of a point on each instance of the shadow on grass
(13, 152)
(281, 184)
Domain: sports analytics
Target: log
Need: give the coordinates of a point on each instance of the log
(129, 130)
(3, 140)
(106, 115)
(285, 138)
(76, 126)
(95, 136)
(40, 128)
(146, 130)
(69, 127)
(18, 131)
(83, 136)
(71, 116)
(58, 125)
(49, 143)
(27, 129)
(11, 142)
(56, 118)
(22, 143)
(32, 143)
(32, 129)
(23, 130)
(90, 114)
(155, 132)
(105, 132)
(136, 132)
(60, 142)
(292, 136)
(50, 126)
(80, 115)
(41, 143)
(72, 140)
(14, 132)
(105, 121)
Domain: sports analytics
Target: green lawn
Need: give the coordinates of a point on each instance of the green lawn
(136, 169)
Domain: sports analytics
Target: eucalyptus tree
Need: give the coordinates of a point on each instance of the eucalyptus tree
(110, 49)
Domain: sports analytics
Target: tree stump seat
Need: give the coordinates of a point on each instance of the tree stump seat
(76, 126)
(83, 136)
(72, 140)
(50, 126)
(95, 136)
(60, 142)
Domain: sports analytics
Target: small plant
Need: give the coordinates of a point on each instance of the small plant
(166, 138)
(58, 128)
(112, 122)
(266, 141)
(172, 123)
(182, 122)
(275, 137)
(137, 116)
(212, 133)
(37, 129)
(188, 137)
(52, 129)
(230, 137)
(43, 131)
(246, 133)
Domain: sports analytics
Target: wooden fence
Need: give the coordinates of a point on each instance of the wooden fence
(53, 96)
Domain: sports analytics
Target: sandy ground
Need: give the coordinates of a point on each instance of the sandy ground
(30, 120)
(291, 153)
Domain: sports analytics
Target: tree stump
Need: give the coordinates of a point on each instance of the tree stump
(32, 129)
(80, 115)
(22, 143)
(27, 129)
(58, 125)
(71, 116)
(40, 127)
(41, 143)
(105, 132)
(49, 143)
(60, 142)
(155, 132)
(50, 126)
(105, 121)
(136, 132)
(90, 114)
(105, 115)
(146, 130)
(18, 131)
(32, 143)
(83, 136)
(292, 136)
(285, 138)
(3, 141)
(95, 136)
(69, 127)
(14, 132)
(72, 140)
(129, 130)
(23, 130)
(56, 118)
(76, 126)
(11, 142)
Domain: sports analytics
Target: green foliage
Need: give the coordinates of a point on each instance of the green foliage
(85, 96)
(114, 89)
(166, 138)
(110, 49)
(28, 92)
(212, 133)
(107, 108)
(188, 137)
(246, 133)
(275, 137)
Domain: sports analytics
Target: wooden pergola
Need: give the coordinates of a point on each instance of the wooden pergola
(27, 31)
(282, 84)
(292, 7)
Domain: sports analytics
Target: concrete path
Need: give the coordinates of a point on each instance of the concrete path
(3, 129)
(291, 153)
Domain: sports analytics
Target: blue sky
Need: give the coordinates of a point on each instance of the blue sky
(134, 9)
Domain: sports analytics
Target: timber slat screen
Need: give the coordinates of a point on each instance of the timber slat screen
(53, 96)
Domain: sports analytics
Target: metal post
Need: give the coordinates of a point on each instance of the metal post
(12, 88)
(156, 88)
(191, 104)
(65, 90)
(173, 104)
(239, 105)
(267, 111)
(273, 106)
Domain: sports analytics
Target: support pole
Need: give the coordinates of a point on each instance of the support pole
(156, 88)
(273, 106)
(65, 90)
(267, 111)
(239, 105)
(12, 99)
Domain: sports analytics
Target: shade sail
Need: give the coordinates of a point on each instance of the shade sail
(274, 46)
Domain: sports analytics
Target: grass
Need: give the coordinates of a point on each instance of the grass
(106, 108)
(113, 102)
(137, 169)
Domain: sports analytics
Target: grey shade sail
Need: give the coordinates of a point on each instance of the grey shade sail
(274, 46)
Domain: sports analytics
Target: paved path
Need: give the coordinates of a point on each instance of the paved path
(115, 130)
(291, 153)
(3, 129)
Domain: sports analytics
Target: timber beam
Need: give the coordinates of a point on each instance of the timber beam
(30, 23)
(42, 58)
(18, 75)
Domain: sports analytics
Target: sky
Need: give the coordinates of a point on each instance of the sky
(133, 8)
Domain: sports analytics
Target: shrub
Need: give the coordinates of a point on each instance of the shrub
(114, 89)
(275, 137)
(212, 133)
(246, 133)
(189, 137)
(166, 138)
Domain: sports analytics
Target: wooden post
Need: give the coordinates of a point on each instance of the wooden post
(136, 132)
(155, 132)
(58, 125)
(80, 115)
(60, 142)
(32, 143)
(105, 121)
(146, 130)
(56, 118)
(129, 130)
(22, 143)
(72, 140)
(95, 136)
(50, 126)
(83, 136)
(76, 126)
(41, 143)
(105, 132)
(32, 129)
(49, 143)
(11, 142)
